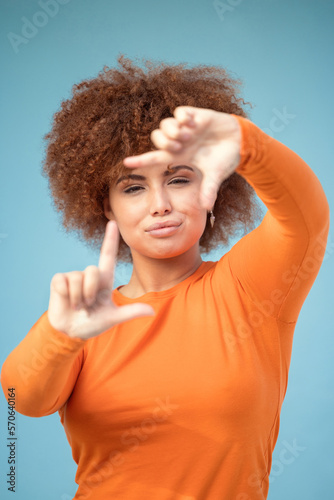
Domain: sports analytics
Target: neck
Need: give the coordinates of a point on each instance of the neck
(156, 275)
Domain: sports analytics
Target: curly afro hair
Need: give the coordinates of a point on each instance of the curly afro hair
(112, 116)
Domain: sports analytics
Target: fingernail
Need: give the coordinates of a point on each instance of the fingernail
(190, 120)
(176, 146)
(186, 135)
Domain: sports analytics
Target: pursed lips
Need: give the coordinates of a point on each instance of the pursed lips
(161, 225)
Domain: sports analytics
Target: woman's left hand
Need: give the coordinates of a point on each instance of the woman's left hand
(202, 138)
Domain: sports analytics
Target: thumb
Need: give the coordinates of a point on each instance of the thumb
(132, 311)
(208, 194)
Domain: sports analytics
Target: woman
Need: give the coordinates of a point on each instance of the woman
(171, 386)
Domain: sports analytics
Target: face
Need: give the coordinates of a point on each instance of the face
(158, 211)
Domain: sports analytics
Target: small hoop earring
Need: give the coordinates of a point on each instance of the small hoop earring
(212, 218)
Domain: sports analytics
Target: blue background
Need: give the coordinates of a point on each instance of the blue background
(282, 50)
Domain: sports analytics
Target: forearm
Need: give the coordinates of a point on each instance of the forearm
(282, 180)
(42, 369)
(285, 252)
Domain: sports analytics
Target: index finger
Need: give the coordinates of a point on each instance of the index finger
(108, 255)
(152, 158)
(185, 115)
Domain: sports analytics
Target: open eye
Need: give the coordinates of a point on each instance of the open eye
(179, 180)
(132, 189)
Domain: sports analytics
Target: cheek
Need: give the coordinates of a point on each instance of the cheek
(129, 217)
(197, 218)
(193, 207)
(124, 211)
(201, 226)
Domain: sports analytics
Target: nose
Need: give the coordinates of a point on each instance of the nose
(160, 202)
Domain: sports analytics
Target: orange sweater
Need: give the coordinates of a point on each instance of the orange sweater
(185, 405)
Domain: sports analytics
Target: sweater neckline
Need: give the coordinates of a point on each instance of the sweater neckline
(200, 271)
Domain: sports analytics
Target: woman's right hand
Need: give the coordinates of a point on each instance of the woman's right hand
(80, 301)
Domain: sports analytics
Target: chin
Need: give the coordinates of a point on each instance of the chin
(167, 250)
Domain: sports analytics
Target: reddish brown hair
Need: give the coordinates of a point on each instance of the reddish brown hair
(110, 117)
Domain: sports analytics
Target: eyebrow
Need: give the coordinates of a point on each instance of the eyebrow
(170, 171)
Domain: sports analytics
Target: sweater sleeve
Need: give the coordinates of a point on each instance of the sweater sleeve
(277, 263)
(42, 369)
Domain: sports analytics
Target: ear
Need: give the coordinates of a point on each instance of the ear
(107, 209)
